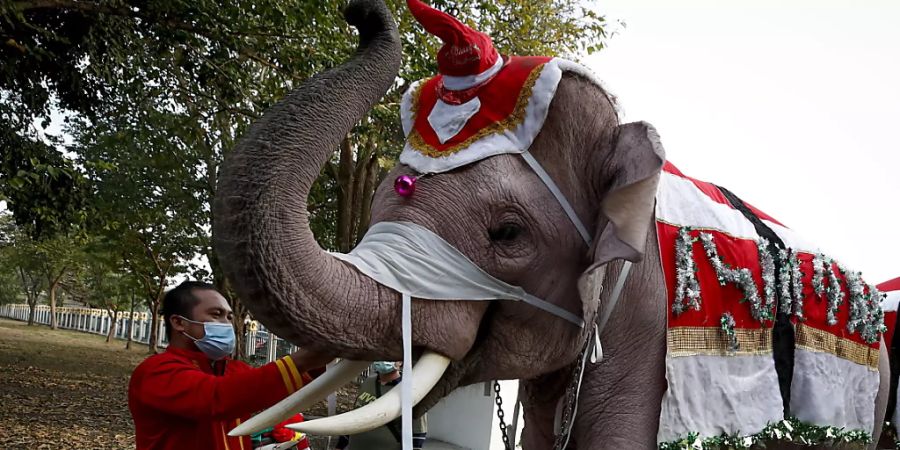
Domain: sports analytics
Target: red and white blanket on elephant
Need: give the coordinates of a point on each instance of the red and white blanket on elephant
(723, 283)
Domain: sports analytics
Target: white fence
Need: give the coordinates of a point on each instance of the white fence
(261, 346)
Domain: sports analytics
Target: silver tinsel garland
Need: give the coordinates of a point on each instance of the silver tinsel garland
(687, 288)
(726, 323)
(834, 293)
(770, 284)
(857, 299)
(797, 285)
(873, 317)
(784, 280)
(818, 280)
(790, 281)
(743, 278)
(866, 315)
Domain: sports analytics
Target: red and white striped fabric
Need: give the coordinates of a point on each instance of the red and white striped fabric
(715, 389)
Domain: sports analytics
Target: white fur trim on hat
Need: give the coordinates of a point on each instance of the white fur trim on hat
(469, 81)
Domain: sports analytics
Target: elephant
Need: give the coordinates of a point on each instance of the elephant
(496, 212)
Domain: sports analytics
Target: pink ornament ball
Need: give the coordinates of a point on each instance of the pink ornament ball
(405, 185)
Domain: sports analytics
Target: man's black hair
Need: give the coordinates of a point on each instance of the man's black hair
(180, 301)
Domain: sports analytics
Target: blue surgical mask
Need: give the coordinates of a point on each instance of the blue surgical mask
(383, 367)
(218, 339)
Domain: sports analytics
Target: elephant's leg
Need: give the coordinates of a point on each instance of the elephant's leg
(621, 397)
(881, 399)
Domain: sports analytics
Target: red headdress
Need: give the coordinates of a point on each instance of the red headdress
(481, 104)
(465, 52)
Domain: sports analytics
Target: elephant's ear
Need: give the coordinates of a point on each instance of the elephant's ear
(626, 212)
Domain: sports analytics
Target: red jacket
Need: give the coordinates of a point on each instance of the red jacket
(179, 400)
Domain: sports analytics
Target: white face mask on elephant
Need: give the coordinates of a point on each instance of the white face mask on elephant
(413, 260)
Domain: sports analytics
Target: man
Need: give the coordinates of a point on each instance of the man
(388, 376)
(191, 395)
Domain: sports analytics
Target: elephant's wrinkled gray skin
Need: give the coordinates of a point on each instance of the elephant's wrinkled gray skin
(497, 212)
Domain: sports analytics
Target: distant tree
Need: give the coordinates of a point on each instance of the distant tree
(20, 256)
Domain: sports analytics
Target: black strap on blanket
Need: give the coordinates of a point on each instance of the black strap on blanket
(782, 332)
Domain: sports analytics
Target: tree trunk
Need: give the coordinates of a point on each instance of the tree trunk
(154, 325)
(52, 285)
(345, 195)
(112, 326)
(240, 315)
(30, 294)
(32, 304)
(131, 326)
(374, 174)
(53, 324)
(360, 174)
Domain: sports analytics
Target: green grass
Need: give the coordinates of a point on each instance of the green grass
(64, 389)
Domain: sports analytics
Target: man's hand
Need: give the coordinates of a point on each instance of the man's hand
(307, 360)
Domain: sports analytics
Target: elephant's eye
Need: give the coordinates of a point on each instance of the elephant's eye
(505, 232)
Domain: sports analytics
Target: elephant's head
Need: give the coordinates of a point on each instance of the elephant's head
(495, 210)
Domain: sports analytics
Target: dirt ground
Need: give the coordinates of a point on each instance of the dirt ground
(64, 389)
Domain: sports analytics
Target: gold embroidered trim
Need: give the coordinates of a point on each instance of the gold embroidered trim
(691, 341)
(516, 118)
(816, 340)
(414, 103)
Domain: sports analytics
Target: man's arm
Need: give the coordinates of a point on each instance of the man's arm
(179, 388)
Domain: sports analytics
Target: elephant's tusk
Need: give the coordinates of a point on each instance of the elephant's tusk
(424, 375)
(316, 391)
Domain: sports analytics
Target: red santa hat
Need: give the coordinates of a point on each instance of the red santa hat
(466, 52)
(480, 104)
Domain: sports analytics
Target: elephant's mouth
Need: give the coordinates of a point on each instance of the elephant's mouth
(432, 376)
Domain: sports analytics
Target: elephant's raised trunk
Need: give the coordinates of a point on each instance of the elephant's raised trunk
(261, 230)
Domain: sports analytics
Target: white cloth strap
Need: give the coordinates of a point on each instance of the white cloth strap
(614, 296)
(406, 383)
(567, 207)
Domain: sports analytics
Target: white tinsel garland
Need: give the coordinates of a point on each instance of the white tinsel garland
(687, 288)
(790, 281)
(784, 281)
(818, 280)
(767, 267)
(866, 315)
(727, 325)
(873, 324)
(833, 292)
(741, 277)
(797, 285)
(857, 299)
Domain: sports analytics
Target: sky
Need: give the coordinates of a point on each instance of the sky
(793, 106)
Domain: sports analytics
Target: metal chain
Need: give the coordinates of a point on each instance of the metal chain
(500, 415)
(571, 399)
